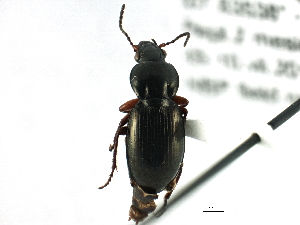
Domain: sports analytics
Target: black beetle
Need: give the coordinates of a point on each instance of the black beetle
(155, 133)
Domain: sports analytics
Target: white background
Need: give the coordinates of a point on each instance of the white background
(64, 71)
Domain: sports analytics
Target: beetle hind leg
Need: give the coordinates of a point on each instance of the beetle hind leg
(170, 188)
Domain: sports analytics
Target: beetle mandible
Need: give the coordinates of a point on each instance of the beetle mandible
(155, 133)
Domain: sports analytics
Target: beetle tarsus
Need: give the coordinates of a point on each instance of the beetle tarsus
(113, 168)
(109, 179)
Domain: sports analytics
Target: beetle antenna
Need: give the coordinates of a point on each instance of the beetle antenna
(187, 34)
(121, 28)
(154, 41)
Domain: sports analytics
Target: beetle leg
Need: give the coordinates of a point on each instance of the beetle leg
(120, 131)
(184, 112)
(171, 186)
(127, 106)
(180, 101)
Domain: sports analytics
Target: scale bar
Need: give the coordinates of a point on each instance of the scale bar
(213, 211)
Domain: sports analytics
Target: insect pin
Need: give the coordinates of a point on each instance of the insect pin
(154, 126)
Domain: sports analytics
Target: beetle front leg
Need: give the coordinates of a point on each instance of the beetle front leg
(120, 131)
(127, 106)
(180, 101)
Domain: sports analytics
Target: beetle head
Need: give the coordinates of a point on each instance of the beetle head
(147, 51)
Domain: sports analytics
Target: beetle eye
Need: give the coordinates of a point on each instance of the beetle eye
(136, 56)
(165, 53)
